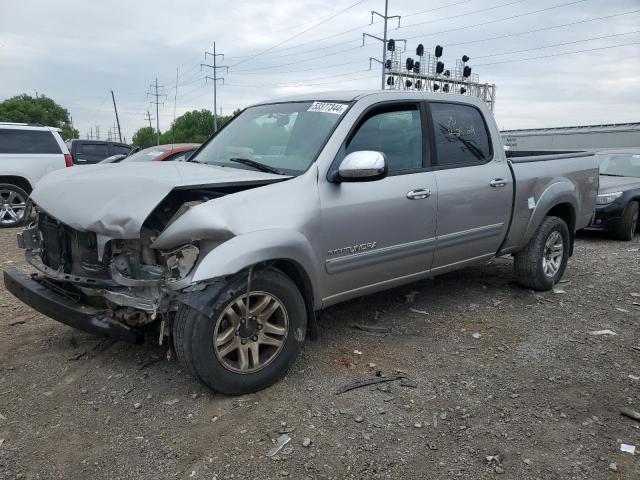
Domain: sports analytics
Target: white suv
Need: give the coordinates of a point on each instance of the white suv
(27, 153)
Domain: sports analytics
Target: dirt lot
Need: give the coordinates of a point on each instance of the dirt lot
(499, 372)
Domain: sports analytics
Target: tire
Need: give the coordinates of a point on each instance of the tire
(14, 206)
(235, 372)
(529, 264)
(629, 224)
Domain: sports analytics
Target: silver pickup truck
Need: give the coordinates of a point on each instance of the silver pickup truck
(295, 205)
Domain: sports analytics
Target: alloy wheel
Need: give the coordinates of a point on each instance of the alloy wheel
(12, 207)
(246, 342)
(552, 254)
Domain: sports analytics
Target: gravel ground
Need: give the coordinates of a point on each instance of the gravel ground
(504, 382)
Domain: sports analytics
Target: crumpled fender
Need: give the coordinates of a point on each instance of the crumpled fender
(555, 194)
(248, 249)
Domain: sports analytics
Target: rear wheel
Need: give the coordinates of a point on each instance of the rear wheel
(14, 205)
(629, 224)
(245, 343)
(541, 264)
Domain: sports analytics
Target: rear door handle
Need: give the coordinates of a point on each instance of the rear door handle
(419, 194)
(498, 182)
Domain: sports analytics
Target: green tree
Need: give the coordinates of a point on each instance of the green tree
(193, 127)
(144, 137)
(42, 110)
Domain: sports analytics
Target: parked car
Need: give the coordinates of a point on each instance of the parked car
(114, 158)
(94, 151)
(176, 152)
(27, 152)
(293, 206)
(618, 201)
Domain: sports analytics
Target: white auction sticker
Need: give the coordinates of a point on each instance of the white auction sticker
(327, 107)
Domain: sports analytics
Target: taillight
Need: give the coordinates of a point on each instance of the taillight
(68, 160)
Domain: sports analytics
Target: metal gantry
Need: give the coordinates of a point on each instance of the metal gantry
(214, 79)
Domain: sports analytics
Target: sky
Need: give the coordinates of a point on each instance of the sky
(77, 51)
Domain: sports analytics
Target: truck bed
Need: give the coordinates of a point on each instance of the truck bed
(542, 175)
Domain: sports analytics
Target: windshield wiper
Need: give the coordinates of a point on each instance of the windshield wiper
(611, 175)
(257, 165)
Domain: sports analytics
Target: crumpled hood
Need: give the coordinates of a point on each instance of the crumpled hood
(115, 199)
(617, 184)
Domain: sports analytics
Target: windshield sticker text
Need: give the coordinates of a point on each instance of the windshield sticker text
(326, 107)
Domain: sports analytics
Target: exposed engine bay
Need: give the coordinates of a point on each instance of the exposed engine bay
(129, 280)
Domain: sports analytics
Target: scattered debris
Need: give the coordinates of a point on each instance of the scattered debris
(603, 332)
(405, 382)
(137, 405)
(357, 352)
(627, 412)
(77, 357)
(280, 442)
(558, 291)
(19, 322)
(476, 335)
(368, 381)
(1, 441)
(623, 310)
(375, 329)
(172, 402)
(306, 442)
(417, 425)
(613, 467)
(421, 312)
(358, 419)
(628, 448)
(634, 377)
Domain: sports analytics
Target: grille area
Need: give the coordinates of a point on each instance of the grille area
(68, 250)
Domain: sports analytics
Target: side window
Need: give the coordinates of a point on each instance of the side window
(120, 150)
(461, 135)
(397, 133)
(14, 140)
(92, 152)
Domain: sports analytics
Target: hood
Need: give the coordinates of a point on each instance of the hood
(617, 184)
(115, 200)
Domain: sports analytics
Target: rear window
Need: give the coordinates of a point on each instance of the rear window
(27, 141)
(461, 135)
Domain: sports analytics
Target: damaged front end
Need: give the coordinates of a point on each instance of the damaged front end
(124, 280)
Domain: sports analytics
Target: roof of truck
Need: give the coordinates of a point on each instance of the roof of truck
(351, 95)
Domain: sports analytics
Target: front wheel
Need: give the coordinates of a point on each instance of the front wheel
(246, 343)
(629, 223)
(541, 264)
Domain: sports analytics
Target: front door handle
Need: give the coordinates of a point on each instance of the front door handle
(419, 194)
(498, 182)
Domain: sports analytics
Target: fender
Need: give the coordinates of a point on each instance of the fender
(555, 194)
(245, 250)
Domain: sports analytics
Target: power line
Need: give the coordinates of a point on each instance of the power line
(558, 54)
(557, 44)
(299, 34)
(215, 79)
(157, 96)
(515, 34)
(386, 17)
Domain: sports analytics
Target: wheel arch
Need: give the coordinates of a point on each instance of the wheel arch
(18, 181)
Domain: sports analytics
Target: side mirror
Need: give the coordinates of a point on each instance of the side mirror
(363, 166)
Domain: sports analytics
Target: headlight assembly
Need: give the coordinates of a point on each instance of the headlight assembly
(181, 261)
(607, 198)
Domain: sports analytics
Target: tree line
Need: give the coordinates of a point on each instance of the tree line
(192, 127)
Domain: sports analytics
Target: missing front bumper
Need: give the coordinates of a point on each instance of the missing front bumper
(64, 309)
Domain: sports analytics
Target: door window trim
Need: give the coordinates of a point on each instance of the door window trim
(393, 105)
(432, 132)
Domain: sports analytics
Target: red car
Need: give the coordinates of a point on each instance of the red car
(160, 153)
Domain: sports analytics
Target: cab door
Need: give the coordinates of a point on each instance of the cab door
(475, 186)
(375, 232)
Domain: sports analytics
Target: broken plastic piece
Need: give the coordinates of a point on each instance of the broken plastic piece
(368, 381)
(280, 442)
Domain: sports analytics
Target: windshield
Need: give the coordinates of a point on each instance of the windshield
(283, 137)
(619, 164)
(148, 154)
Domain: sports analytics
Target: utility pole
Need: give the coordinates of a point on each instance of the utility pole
(117, 119)
(386, 18)
(97, 132)
(156, 96)
(148, 117)
(215, 79)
